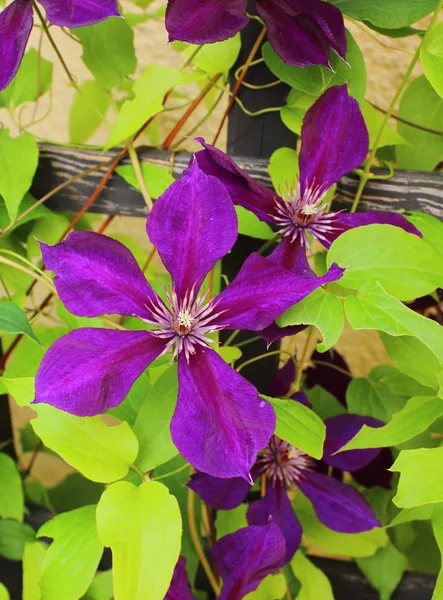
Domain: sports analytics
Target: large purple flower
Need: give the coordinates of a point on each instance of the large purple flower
(220, 423)
(302, 32)
(338, 506)
(334, 140)
(17, 19)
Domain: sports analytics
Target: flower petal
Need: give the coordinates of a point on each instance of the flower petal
(220, 423)
(97, 275)
(193, 224)
(243, 190)
(348, 221)
(222, 494)
(16, 23)
(245, 557)
(334, 140)
(90, 370)
(205, 22)
(339, 431)
(79, 13)
(276, 504)
(292, 256)
(282, 382)
(376, 472)
(302, 31)
(179, 588)
(273, 332)
(338, 506)
(263, 290)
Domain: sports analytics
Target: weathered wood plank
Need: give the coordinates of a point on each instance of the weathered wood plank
(408, 190)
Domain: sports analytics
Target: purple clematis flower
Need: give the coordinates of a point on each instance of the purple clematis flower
(302, 32)
(334, 140)
(338, 506)
(179, 588)
(219, 423)
(17, 19)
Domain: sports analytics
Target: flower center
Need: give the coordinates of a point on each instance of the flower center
(184, 323)
(283, 463)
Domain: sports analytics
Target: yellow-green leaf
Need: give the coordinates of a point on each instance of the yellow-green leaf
(11, 490)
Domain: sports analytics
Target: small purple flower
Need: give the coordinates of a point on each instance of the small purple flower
(302, 32)
(334, 140)
(17, 19)
(220, 423)
(338, 506)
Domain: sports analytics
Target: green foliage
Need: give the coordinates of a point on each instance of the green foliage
(13, 537)
(33, 80)
(421, 477)
(11, 490)
(4, 594)
(272, 586)
(431, 55)
(142, 525)
(218, 57)
(314, 583)
(13, 320)
(88, 111)
(229, 521)
(283, 169)
(101, 453)
(324, 404)
(250, 225)
(299, 426)
(33, 558)
(384, 570)
(390, 14)
(72, 559)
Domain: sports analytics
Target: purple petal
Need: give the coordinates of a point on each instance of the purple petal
(16, 23)
(179, 588)
(88, 370)
(193, 224)
(338, 506)
(276, 504)
(97, 275)
(79, 13)
(205, 22)
(334, 140)
(292, 256)
(376, 472)
(302, 31)
(243, 190)
(348, 221)
(339, 431)
(245, 557)
(282, 382)
(220, 423)
(263, 290)
(222, 494)
(273, 332)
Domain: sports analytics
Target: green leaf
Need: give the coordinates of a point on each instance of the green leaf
(33, 557)
(384, 570)
(18, 164)
(283, 169)
(100, 452)
(373, 308)
(390, 14)
(13, 537)
(431, 56)
(156, 178)
(437, 526)
(326, 540)
(405, 265)
(249, 224)
(11, 490)
(324, 404)
(33, 80)
(4, 594)
(314, 583)
(88, 110)
(229, 353)
(149, 91)
(421, 477)
(21, 389)
(293, 113)
(152, 425)
(13, 320)
(101, 587)
(419, 513)
(72, 559)
(398, 383)
(430, 227)
(420, 105)
(272, 586)
(218, 57)
(229, 521)
(142, 525)
(108, 51)
(418, 414)
(299, 425)
(74, 491)
(374, 120)
(365, 398)
(129, 408)
(322, 309)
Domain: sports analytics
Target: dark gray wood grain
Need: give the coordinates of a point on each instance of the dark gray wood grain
(407, 190)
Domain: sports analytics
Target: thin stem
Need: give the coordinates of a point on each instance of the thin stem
(232, 337)
(268, 243)
(53, 44)
(366, 175)
(406, 122)
(304, 359)
(237, 86)
(261, 357)
(139, 473)
(35, 453)
(139, 175)
(323, 363)
(182, 468)
(246, 342)
(35, 276)
(197, 544)
(203, 120)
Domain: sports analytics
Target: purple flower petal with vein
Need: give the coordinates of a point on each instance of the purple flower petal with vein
(220, 423)
(244, 558)
(179, 588)
(16, 23)
(302, 32)
(334, 141)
